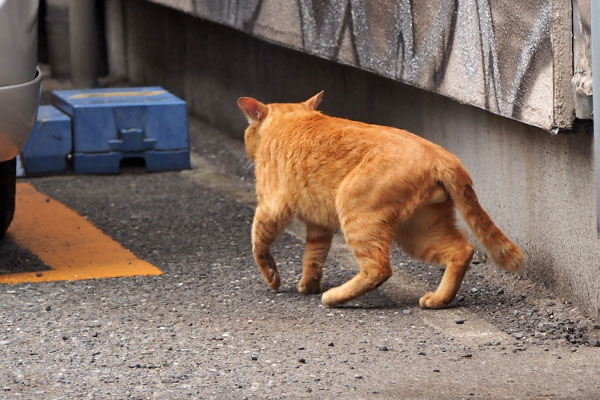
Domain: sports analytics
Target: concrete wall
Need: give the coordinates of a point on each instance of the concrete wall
(582, 58)
(510, 57)
(538, 187)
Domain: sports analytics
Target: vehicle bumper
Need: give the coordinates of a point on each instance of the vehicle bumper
(18, 112)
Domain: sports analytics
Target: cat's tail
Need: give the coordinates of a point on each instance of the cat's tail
(458, 183)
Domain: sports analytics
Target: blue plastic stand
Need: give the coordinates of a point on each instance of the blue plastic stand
(112, 124)
(49, 145)
(20, 169)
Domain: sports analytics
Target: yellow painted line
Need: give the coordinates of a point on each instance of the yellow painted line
(67, 242)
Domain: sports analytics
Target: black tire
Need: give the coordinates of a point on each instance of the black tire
(8, 181)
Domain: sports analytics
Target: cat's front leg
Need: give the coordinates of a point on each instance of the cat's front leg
(318, 243)
(268, 223)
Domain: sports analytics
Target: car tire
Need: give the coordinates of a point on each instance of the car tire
(8, 181)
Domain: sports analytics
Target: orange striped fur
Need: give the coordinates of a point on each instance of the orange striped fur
(377, 184)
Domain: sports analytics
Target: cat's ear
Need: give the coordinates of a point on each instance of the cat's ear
(314, 101)
(255, 110)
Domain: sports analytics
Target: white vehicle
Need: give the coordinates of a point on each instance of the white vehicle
(20, 85)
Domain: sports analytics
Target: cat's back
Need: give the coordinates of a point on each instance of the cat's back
(317, 129)
(305, 125)
(311, 135)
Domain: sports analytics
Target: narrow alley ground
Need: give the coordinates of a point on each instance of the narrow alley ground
(208, 327)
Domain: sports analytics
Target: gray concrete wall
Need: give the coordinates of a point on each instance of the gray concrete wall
(582, 58)
(512, 58)
(538, 187)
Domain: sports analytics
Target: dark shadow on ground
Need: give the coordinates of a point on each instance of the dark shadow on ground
(16, 259)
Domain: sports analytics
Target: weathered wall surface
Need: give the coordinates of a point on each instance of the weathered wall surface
(512, 58)
(582, 58)
(539, 188)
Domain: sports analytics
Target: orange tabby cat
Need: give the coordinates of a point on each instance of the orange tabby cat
(375, 182)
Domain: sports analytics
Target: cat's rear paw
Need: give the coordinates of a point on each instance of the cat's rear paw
(332, 297)
(431, 300)
(309, 286)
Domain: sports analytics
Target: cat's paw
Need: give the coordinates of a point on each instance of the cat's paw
(331, 298)
(273, 279)
(309, 286)
(431, 300)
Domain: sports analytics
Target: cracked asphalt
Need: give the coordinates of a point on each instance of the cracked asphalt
(210, 328)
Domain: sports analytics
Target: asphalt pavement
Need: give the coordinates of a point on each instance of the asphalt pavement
(208, 327)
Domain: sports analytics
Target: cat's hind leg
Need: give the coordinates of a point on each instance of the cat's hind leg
(371, 202)
(370, 239)
(318, 243)
(268, 224)
(431, 235)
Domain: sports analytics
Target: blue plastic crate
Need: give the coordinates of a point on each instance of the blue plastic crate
(49, 145)
(20, 169)
(112, 124)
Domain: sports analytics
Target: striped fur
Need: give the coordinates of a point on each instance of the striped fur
(377, 184)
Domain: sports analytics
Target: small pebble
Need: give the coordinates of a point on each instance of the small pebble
(254, 358)
(406, 312)
(39, 274)
(383, 348)
(474, 290)
(518, 336)
(331, 344)
(421, 353)
(302, 361)
(460, 321)
(436, 370)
